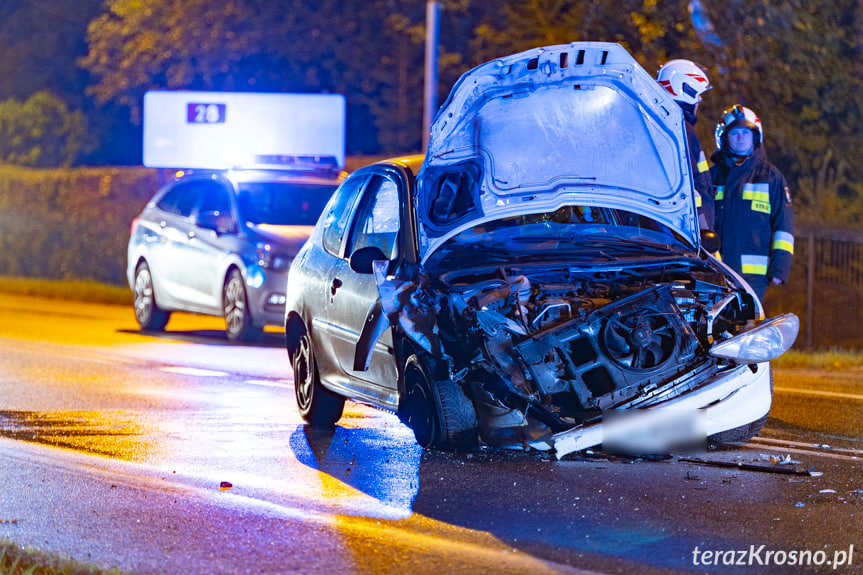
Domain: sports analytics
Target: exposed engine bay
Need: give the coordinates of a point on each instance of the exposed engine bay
(561, 345)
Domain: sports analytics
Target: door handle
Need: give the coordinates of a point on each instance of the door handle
(337, 283)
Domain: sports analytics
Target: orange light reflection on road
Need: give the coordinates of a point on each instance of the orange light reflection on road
(109, 434)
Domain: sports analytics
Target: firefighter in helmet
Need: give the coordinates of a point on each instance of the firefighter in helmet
(686, 81)
(754, 218)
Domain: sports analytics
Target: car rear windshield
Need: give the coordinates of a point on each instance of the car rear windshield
(283, 204)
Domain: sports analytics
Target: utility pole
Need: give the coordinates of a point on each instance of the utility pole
(431, 67)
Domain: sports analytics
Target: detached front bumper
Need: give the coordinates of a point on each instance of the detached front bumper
(732, 399)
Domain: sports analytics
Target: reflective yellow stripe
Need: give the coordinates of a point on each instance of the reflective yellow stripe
(754, 265)
(756, 196)
(720, 192)
(753, 269)
(758, 192)
(702, 163)
(697, 200)
(783, 241)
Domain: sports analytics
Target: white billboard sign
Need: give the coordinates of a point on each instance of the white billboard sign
(220, 130)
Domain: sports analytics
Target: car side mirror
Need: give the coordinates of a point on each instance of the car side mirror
(361, 260)
(214, 221)
(711, 241)
(209, 220)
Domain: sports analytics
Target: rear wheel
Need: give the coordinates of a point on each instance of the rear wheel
(436, 408)
(150, 317)
(318, 406)
(235, 305)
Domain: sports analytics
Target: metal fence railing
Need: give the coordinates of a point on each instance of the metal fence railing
(825, 290)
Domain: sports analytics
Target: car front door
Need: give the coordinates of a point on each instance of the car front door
(213, 236)
(169, 256)
(354, 296)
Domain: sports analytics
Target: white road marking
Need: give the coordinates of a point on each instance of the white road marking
(785, 449)
(195, 371)
(818, 393)
(282, 383)
(858, 452)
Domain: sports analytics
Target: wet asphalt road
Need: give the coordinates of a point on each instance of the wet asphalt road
(183, 453)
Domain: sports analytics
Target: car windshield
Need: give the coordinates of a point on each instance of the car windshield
(283, 204)
(581, 233)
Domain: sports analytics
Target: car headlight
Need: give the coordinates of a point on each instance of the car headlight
(269, 260)
(766, 342)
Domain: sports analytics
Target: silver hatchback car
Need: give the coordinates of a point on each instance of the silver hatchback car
(221, 243)
(538, 278)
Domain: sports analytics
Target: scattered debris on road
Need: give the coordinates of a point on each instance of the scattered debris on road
(753, 467)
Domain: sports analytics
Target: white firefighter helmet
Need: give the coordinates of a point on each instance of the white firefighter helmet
(684, 80)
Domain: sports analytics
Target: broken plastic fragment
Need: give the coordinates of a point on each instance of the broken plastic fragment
(827, 491)
(783, 460)
(225, 485)
(799, 504)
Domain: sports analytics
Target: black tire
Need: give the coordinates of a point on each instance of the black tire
(318, 406)
(148, 313)
(740, 434)
(436, 409)
(235, 308)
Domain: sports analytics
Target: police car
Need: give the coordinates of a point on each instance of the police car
(219, 237)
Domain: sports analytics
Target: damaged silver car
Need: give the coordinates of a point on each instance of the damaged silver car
(538, 279)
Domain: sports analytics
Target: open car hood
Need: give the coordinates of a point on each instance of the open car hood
(579, 124)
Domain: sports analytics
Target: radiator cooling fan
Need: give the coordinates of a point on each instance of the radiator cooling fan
(641, 340)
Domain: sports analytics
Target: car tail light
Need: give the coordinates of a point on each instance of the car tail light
(134, 226)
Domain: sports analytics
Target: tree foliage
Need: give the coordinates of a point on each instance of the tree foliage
(41, 40)
(40, 131)
(795, 62)
(371, 51)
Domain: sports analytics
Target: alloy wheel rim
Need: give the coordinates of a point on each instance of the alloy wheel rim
(420, 415)
(143, 296)
(235, 305)
(303, 373)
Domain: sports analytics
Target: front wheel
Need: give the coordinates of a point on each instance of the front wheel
(741, 434)
(318, 406)
(235, 305)
(149, 315)
(436, 408)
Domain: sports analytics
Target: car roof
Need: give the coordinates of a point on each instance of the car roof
(411, 163)
(322, 177)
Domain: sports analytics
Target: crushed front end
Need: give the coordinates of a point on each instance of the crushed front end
(543, 350)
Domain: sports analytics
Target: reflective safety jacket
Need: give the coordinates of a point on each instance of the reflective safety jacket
(754, 218)
(700, 176)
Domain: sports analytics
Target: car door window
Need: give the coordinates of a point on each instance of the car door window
(337, 212)
(181, 200)
(377, 220)
(216, 201)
